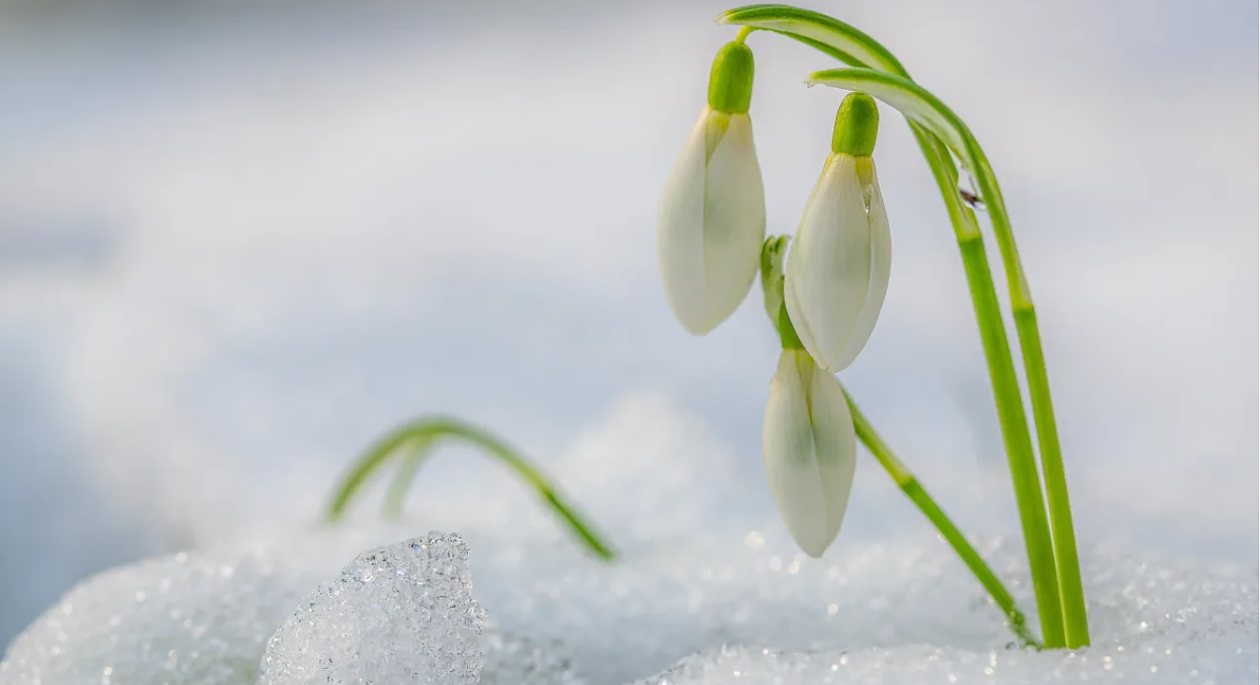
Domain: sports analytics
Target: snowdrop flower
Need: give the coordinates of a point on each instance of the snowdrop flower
(810, 450)
(712, 215)
(838, 269)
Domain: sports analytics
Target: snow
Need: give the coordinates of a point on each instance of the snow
(205, 618)
(398, 614)
(705, 592)
(1152, 623)
(703, 610)
(191, 619)
(891, 613)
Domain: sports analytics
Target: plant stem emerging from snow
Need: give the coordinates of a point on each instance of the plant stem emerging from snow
(421, 435)
(1052, 560)
(910, 486)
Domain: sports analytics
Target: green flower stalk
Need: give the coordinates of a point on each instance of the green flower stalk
(909, 485)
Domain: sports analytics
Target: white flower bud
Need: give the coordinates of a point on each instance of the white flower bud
(810, 450)
(840, 261)
(711, 222)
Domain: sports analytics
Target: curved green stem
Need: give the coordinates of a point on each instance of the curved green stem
(911, 487)
(417, 452)
(935, 126)
(434, 428)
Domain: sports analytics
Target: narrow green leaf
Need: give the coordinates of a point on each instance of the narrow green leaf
(427, 431)
(859, 48)
(415, 453)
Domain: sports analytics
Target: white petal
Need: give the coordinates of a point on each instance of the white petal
(711, 225)
(788, 450)
(789, 293)
(680, 232)
(829, 268)
(734, 221)
(835, 446)
(881, 269)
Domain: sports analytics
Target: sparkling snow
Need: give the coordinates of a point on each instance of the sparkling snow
(721, 611)
(398, 614)
(705, 592)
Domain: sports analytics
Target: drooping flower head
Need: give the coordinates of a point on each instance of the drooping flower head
(838, 269)
(810, 450)
(808, 440)
(712, 216)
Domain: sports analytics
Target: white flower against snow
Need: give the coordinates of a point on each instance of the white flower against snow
(840, 261)
(712, 216)
(810, 450)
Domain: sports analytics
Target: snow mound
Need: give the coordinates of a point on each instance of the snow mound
(1152, 623)
(187, 619)
(398, 614)
(204, 618)
(713, 608)
(888, 612)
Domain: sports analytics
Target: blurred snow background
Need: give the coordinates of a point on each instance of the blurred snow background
(238, 241)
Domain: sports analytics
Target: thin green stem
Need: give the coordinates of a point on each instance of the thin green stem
(363, 468)
(1072, 594)
(415, 453)
(432, 428)
(905, 480)
(1019, 450)
(1062, 626)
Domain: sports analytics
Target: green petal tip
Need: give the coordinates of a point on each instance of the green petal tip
(731, 79)
(857, 125)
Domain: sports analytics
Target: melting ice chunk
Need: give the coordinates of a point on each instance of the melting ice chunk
(398, 614)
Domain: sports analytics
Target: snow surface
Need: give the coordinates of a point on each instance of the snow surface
(715, 612)
(205, 619)
(705, 592)
(186, 619)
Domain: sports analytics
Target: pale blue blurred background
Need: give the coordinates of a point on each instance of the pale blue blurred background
(239, 240)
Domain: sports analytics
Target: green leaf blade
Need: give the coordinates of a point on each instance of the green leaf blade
(858, 48)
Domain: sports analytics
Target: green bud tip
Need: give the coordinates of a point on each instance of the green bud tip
(730, 81)
(857, 123)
